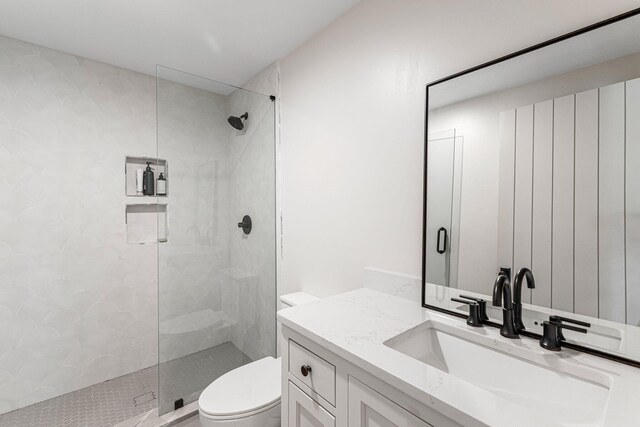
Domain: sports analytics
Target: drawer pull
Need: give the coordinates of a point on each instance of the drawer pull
(306, 370)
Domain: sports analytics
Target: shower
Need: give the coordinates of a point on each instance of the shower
(236, 122)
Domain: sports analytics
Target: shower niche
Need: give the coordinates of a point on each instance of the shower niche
(146, 223)
(145, 214)
(134, 164)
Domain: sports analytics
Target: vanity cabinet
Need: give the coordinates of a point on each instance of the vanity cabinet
(304, 411)
(368, 408)
(321, 389)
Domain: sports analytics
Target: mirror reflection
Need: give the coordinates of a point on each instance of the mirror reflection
(534, 162)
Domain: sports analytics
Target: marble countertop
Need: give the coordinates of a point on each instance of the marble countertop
(355, 325)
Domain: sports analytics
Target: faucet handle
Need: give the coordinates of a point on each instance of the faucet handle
(474, 318)
(552, 334)
(482, 306)
(559, 319)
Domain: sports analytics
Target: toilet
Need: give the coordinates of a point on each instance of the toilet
(248, 396)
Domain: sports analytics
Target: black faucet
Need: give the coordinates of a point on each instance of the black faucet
(502, 298)
(517, 295)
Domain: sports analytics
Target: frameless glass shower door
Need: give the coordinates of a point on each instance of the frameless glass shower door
(216, 232)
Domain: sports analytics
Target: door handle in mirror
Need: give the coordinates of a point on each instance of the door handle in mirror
(442, 233)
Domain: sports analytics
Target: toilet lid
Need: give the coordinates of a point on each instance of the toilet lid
(245, 389)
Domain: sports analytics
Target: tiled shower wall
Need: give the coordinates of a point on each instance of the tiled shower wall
(251, 291)
(77, 304)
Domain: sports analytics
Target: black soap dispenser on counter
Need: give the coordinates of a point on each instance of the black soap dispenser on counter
(148, 181)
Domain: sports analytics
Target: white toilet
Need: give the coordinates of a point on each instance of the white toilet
(248, 396)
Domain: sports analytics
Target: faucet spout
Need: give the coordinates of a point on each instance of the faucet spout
(502, 292)
(523, 273)
(502, 298)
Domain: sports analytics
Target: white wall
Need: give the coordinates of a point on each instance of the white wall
(353, 103)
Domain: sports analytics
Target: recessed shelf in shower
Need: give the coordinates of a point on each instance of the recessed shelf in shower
(132, 164)
(146, 223)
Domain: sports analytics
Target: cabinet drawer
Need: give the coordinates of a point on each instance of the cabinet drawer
(322, 376)
(304, 411)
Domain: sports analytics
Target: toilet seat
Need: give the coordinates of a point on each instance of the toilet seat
(243, 392)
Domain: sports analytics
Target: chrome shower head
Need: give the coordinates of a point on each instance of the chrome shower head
(236, 122)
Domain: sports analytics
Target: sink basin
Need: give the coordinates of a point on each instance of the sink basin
(598, 336)
(547, 391)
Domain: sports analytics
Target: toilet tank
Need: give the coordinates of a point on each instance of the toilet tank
(296, 298)
(291, 300)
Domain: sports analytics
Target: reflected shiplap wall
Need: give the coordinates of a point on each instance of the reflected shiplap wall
(574, 221)
(77, 304)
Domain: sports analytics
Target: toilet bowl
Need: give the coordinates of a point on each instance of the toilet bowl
(248, 396)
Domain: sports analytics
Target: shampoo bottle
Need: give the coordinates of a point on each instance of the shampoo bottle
(148, 181)
(139, 180)
(162, 185)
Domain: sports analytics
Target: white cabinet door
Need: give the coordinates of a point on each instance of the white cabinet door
(368, 408)
(306, 412)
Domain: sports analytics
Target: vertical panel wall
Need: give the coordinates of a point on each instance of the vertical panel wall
(506, 185)
(542, 202)
(632, 171)
(586, 204)
(570, 200)
(562, 241)
(523, 191)
(611, 250)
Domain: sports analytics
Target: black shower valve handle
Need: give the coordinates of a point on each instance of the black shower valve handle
(246, 224)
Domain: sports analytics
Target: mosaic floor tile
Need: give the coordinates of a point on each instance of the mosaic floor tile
(117, 400)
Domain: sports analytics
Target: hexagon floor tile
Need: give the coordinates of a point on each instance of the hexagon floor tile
(119, 399)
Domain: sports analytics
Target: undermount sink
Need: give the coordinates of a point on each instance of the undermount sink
(547, 391)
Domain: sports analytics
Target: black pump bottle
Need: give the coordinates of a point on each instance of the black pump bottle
(148, 181)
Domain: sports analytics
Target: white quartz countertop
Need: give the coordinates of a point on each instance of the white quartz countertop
(355, 325)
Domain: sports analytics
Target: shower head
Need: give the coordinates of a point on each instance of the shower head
(236, 122)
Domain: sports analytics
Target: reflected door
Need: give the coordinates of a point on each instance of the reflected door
(441, 233)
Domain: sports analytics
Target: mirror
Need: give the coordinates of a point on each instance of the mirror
(533, 160)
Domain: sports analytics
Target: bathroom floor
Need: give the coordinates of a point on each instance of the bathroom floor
(117, 400)
(102, 404)
(186, 377)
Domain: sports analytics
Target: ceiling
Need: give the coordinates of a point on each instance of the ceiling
(226, 40)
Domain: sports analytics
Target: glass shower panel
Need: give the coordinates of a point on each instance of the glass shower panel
(217, 284)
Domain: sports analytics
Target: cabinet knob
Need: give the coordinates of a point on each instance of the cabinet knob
(306, 370)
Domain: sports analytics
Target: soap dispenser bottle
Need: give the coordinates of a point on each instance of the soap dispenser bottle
(148, 181)
(162, 185)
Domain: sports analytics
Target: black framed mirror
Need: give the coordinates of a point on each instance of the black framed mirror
(532, 161)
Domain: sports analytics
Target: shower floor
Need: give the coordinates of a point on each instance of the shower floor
(122, 398)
